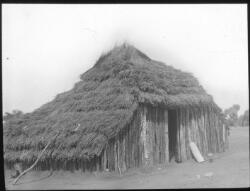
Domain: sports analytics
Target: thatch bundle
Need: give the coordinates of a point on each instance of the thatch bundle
(100, 105)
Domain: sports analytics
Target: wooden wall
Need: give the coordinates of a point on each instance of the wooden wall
(145, 141)
(155, 126)
(125, 150)
(203, 127)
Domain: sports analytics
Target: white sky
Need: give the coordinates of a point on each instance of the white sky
(46, 47)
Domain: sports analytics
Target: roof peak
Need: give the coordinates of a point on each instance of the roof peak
(124, 47)
(125, 51)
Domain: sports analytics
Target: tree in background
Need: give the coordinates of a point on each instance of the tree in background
(231, 115)
(244, 119)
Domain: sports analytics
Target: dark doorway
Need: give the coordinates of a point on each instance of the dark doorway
(172, 133)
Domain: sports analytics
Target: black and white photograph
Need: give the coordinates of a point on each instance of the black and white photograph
(125, 96)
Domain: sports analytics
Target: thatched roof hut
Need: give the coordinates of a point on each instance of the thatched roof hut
(100, 106)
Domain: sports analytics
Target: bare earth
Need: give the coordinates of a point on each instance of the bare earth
(230, 169)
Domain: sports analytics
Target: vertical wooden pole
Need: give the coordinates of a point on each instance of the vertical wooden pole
(124, 154)
(155, 128)
(166, 136)
(200, 131)
(208, 130)
(182, 135)
(145, 137)
(204, 132)
(126, 148)
(178, 144)
(188, 151)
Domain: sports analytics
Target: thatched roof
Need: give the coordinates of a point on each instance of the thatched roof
(100, 105)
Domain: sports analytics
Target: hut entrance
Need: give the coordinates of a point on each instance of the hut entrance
(172, 133)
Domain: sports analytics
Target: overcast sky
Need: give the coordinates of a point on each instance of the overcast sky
(45, 48)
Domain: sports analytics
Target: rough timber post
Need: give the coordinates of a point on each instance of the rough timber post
(123, 155)
(166, 135)
(105, 159)
(155, 128)
(182, 135)
(187, 133)
(178, 141)
(204, 131)
(145, 157)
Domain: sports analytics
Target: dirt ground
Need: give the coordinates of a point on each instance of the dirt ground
(229, 170)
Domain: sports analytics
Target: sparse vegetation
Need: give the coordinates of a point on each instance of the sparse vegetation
(243, 119)
(231, 115)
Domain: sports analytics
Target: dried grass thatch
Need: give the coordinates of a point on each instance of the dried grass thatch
(103, 103)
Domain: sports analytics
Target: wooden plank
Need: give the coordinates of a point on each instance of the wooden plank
(220, 135)
(104, 159)
(224, 134)
(166, 136)
(200, 131)
(108, 157)
(196, 153)
(124, 154)
(141, 139)
(204, 131)
(196, 129)
(162, 135)
(208, 129)
(112, 154)
(184, 132)
(162, 148)
(132, 147)
(118, 155)
(143, 136)
(188, 151)
(178, 144)
(191, 127)
(152, 136)
(137, 142)
(199, 134)
(125, 147)
(149, 144)
(216, 133)
(155, 128)
(182, 135)
(212, 132)
(149, 134)
(129, 148)
(214, 142)
(223, 142)
(121, 152)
